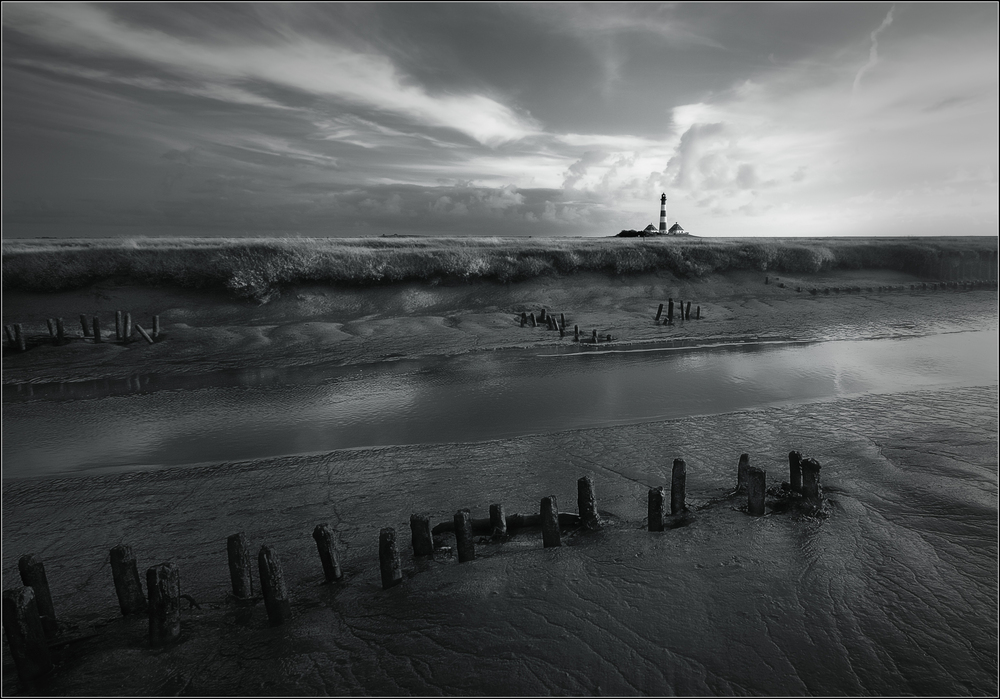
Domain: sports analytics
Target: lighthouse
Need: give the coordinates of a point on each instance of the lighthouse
(663, 213)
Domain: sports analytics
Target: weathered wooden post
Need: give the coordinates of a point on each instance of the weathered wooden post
(742, 473)
(128, 586)
(97, 329)
(127, 328)
(549, 511)
(163, 588)
(9, 330)
(33, 575)
(83, 324)
(670, 310)
(25, 636)
(156, 327)
(145, 335)
(678, 487)
(119, 332)
(273, 587)
(498, 521)
(680, 309)
(586, 503)
(420, 535)
(810, 480)
(756, 490)
(51, 326)
(687, 313)
(795, 471)
(464, 542)
(60, 331)
(524, 319)
(531, 318)
(594, 337)
(541, 316)
(327, 547)
(562, 321)
(698, 314)
(388, 558)
(576, 333)
(240, 565)
(659, 311)
(655, 509)
(19, 337)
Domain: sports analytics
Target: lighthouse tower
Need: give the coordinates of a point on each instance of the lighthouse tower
(663, 214)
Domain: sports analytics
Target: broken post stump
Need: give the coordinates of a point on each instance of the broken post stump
(593, 337)
(240, 565)
(562, 321)
(531, 318)
(33, 575)
(795, 471)
(655, 509)
(327, 547)
(97, 329)
(742, 471)
(576, 333)
(586, 503)
(670, 310)
(156, 326)
(756, 489)
(163, 587)
(51, 326)
(118, 326)
(127, 328)
(464, 542)
(19, 337)
(678, 487)
(687, 313)
(60, 331)
(388, 558)
(659, 312)
(697, 315)
(145, 335)
(541, 316)
(273, 587)
(128, 586)
(25, 637)
(83, 324)
(498, 521)
(420, 535)
(549, 511)
(810, 480)
(524, 319)
(9, 330)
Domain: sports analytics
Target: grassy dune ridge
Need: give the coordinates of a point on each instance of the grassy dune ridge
(257, 268)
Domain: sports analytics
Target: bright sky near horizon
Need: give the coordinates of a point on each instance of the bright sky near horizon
(349, 119)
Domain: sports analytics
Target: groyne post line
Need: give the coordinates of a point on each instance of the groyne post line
(25, 637)
(97, 329)
(756, 490)
(273, 587)
(549, 512)
(742, 473)
(128, 586)
(464, 542)
(655, 509)
(810, 480)
(60, 331)
(678, 487)
(163, 587)
(83, 324)
(240, 566)
(388, 558)
(327, 547)
(795, 471)
(420, 534)
(498, 521)
(118, 326)
(659, 312)
(586, 503)
(32, 572)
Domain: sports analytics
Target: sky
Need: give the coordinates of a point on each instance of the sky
(509, 119)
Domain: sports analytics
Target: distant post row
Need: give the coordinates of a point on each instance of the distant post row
(91, 327)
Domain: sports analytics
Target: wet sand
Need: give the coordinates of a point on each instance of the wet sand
(894, 591)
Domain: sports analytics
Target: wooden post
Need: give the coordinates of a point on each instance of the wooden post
(659, 311)
(562, 321)
(742, 471)
(680, 309)
(327, 547)
(687, 313)
(594, 337)
(127, 328)
(531, 318)
(19, 337)
(97, 329)
(273, 587)
(550, 522)
(756, 489)
(767, 280)
(118, 326)
(524, 319)
(83, 324)
(240, 566)
(541, 316)
(25, 636)
(576, 333)
(60, 331)
(655, 509)
(586, 503)
(697, 315)
(464, 542)
(156, 327)
(678, 487)
(128, 587)
(388, 558)
(163, 587)
(498, 521)
(33, 575)
(52, 327)
(420, 535)
(795, 471)
(145, 335)
(9, 330)
(810, 480)
(670, 310)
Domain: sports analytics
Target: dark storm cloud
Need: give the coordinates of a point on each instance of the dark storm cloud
(521, 118)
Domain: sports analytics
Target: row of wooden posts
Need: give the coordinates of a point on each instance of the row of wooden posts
(529, 319)
(124, 330)
(683, 313)
(29, 617)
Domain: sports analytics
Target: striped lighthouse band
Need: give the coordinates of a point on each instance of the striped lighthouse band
(663, 213)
